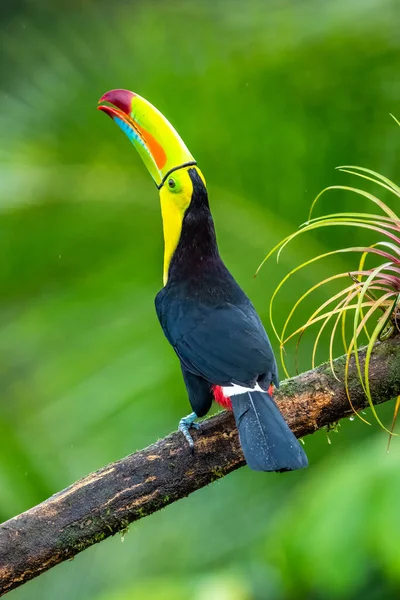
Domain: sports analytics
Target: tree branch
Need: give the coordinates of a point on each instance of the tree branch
(108, 500)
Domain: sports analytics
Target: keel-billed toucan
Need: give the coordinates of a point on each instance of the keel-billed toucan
(224, 351)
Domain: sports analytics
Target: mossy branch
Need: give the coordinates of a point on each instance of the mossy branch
(108, 500)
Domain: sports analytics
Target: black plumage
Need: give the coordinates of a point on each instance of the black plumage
(267, 441)
(220, 340)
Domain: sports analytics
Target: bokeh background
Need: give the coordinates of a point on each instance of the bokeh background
(270, 97)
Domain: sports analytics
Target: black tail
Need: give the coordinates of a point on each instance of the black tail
(267, 441)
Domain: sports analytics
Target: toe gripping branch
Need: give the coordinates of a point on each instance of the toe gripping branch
(185, 424)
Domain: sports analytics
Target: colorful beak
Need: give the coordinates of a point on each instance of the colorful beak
(157, 142)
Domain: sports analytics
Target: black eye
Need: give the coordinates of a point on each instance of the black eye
(171, 183)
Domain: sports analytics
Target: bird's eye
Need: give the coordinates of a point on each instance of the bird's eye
(171, 183)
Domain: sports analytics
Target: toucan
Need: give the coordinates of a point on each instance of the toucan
(223, 348)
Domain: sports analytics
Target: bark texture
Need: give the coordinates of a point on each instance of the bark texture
(108, 500)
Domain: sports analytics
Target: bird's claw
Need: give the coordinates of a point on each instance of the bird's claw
(187, 423)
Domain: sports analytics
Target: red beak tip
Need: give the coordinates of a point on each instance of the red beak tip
(108, 110)
(122, 99)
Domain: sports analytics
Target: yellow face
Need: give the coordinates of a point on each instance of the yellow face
(164, 154)
(175, 198)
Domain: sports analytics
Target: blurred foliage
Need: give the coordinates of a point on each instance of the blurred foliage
(269, 97)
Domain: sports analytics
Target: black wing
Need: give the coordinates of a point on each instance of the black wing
(223, 343)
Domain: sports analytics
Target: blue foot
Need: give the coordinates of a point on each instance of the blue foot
(185, 424)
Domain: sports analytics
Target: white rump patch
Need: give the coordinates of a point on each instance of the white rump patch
(234, 390)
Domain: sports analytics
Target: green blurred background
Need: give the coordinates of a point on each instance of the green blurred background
(270, 97)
